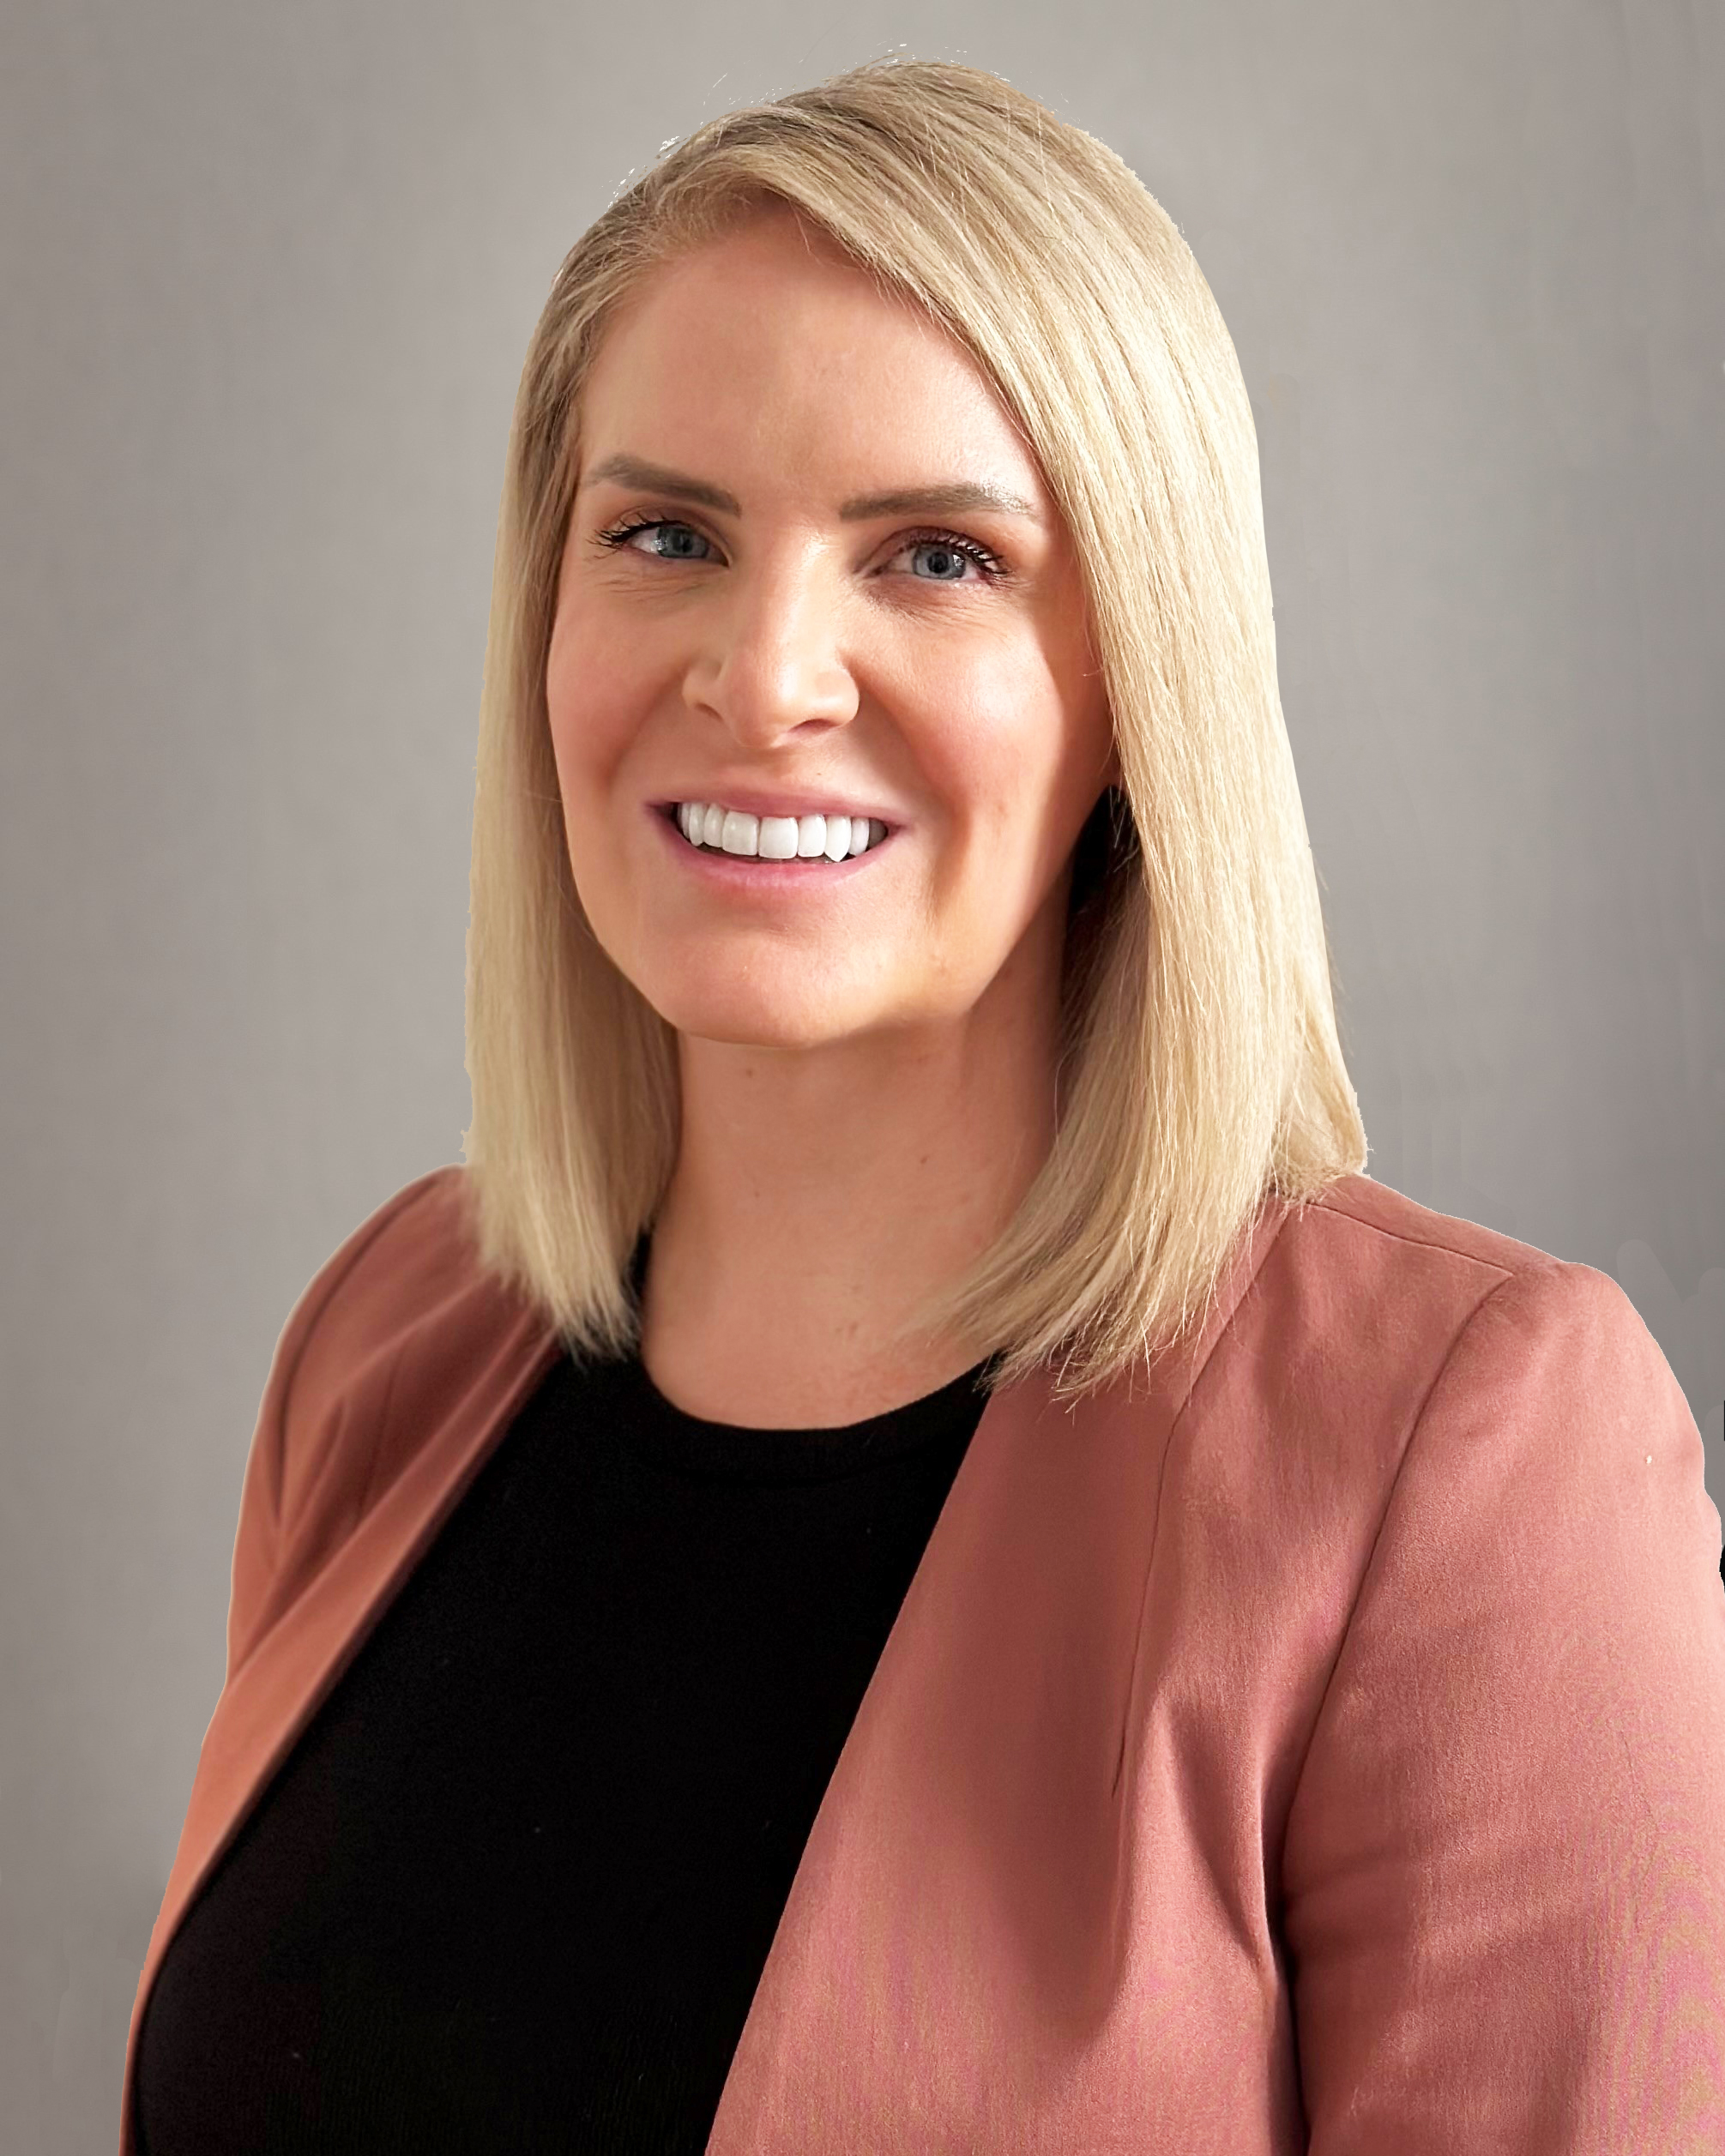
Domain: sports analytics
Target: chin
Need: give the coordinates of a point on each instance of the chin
(756, 1021)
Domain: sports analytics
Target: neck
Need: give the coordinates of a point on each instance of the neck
(821, 1195)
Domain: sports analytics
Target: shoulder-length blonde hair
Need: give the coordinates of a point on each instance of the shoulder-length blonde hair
(1200, 1066)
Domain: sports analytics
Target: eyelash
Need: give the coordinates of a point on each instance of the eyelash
(989, 562)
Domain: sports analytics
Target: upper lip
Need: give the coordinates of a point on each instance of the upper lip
(757, 801)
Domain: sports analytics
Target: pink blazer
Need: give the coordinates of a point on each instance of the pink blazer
(1317, 1745)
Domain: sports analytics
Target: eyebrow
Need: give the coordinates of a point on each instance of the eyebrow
(952, 499)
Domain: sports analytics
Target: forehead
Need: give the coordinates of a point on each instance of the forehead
(769, 344)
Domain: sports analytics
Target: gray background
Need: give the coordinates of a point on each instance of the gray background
(268, 277)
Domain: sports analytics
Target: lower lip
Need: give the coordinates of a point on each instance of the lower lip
(769, 879)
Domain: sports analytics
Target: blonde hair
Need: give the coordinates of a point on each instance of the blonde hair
(1200, 1067)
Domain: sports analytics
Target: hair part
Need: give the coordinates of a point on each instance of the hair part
(1200, 1068)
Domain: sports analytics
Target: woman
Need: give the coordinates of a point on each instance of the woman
(910, 1556)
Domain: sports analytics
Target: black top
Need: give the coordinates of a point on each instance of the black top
(514, 1887)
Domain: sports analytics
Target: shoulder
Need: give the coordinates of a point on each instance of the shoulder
(413, 1255)
(1358, 1223)
(1438, 1362)
(1363, 1254)
(1367, 1299)
(390, 1332)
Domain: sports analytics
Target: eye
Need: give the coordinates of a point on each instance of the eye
(987, 563)
(620, 534)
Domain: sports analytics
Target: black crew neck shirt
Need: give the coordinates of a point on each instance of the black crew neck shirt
(513, 1887)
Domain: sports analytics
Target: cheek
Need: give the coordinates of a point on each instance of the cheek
(998, 759)
(590, 708)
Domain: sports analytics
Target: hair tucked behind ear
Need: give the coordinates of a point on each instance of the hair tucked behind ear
(1201, 1066)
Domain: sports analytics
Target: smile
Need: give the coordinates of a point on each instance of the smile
(709, 824)
(766, 876)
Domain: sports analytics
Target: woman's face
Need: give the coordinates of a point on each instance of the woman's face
(796, 649)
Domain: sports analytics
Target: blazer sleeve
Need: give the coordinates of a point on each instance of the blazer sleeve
(1504, 1870)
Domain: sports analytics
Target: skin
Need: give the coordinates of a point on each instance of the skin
(868, 1075)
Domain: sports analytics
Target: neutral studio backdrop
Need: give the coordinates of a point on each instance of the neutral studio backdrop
(268, 277)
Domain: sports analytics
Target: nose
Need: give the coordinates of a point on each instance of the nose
(772, 661)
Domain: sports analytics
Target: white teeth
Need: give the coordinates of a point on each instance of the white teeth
(776, 838)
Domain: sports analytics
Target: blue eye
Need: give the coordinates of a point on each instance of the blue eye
(619, 534)
(989, 564)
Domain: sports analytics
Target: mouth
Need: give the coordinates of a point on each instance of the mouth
(723, 870)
